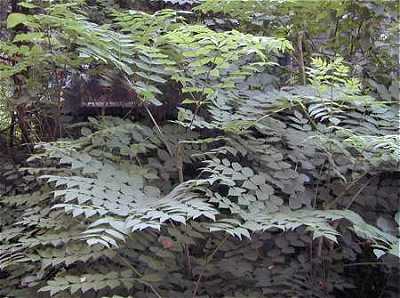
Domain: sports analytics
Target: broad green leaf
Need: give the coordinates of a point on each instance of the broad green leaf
(15, 19)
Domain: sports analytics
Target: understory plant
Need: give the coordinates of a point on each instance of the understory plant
(247, 192)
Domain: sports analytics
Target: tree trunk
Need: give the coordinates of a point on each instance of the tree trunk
(4, 6)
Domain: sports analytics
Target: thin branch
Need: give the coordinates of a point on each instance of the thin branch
(208, 260)
(340, 196)
(198, 104)
(301, 56)
(179, 161)
(358, 193)
(159, 131)
(140, 275)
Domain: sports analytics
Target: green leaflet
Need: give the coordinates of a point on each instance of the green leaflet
(230, 191)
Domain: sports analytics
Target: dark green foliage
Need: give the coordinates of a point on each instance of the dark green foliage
(255, 190)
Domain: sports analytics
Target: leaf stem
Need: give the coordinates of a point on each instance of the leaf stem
(208, 260)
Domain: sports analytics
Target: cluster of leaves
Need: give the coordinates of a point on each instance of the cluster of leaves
(363, 32)
(197, 206)
(111, 198)
(5, 94)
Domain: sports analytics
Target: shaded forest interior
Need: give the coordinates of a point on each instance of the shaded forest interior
(201, 149)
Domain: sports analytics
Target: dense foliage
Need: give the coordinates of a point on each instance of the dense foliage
(258, 155)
